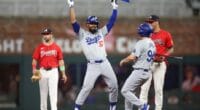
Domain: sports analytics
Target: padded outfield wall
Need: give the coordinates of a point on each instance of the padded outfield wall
(22, 20)
(19, 36)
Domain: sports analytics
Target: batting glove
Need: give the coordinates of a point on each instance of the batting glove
(114, 4)
(70, 3)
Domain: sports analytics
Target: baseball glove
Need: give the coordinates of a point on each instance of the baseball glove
(36, 76)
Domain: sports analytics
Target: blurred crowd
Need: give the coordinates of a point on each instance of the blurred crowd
(191, 83)
(9, 84)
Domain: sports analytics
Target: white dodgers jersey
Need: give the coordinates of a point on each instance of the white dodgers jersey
(93, 44)
(144, 51)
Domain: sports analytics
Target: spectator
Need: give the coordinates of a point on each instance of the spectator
(190, 84)
(191, 80)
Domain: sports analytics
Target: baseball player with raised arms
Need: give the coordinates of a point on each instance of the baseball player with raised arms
(49, 57)
(142, 59)
(164, 47)
(92, 42)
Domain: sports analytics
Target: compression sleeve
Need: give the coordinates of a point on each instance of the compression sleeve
(76, 27)
(112, 20)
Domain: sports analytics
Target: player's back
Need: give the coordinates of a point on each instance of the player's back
(146, 53)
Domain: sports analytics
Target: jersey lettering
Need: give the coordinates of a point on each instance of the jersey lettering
(93, 40)
(48, 53)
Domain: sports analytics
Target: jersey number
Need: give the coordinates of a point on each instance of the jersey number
(150, 55)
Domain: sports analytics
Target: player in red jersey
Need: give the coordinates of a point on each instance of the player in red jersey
(164, 47)
(49, 57)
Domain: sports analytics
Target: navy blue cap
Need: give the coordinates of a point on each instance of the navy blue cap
(46, 31)
(152, 18)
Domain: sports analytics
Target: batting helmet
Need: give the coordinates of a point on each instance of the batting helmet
(92, 20)
(145, 30)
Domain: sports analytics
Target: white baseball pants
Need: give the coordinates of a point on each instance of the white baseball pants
(158, 74)
(48, 85)
(94, 70)
(132, 84)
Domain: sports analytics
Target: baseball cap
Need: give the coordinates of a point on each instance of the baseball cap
(152, 18)
(46, 31)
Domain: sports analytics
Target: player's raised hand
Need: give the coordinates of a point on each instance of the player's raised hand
(70, 3)
(114, 4)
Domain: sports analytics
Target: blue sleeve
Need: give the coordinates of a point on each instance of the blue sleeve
(112, 20)
(76, 27)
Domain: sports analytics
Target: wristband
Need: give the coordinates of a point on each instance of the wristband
(62, 68)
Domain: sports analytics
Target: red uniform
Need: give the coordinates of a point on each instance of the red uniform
(48, 56)
(163, 41)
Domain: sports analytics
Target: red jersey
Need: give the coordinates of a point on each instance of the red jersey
(48, 56)
(163, 41)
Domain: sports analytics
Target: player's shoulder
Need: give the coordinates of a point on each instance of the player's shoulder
(40, 45)
(164, 31)
(141, 42)
(55, 44)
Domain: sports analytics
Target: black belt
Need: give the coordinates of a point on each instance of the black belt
(48, 69)
(156, 61)
(146, 70)
(96, 61)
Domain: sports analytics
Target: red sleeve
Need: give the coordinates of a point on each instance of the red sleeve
(60, 54)
(36, 54)
(169, 41)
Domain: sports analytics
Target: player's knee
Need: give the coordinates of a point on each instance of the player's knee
(113, 86)
(123, 92)
(113, 89)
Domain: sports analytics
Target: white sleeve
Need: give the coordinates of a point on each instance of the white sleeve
(104, 30)
(137, 50)
(81, 33)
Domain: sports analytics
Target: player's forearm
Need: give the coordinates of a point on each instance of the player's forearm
(170, 50)
(34, 65)
(72, 15)
(62, 66)
(112, 19)
(75, 25)
(128, 60)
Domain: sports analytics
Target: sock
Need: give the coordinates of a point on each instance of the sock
(77, 107)
(113, 105)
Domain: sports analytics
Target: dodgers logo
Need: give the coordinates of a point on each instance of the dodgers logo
(93, 40)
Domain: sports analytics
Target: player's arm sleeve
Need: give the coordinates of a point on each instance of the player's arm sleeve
(76, 27)
(36, 54)
(60, 53)
(169, 41)
(112, 20)
(137, 50)
(169, 45)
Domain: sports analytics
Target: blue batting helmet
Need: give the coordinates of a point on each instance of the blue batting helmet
(145, 29)
(92, 20)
